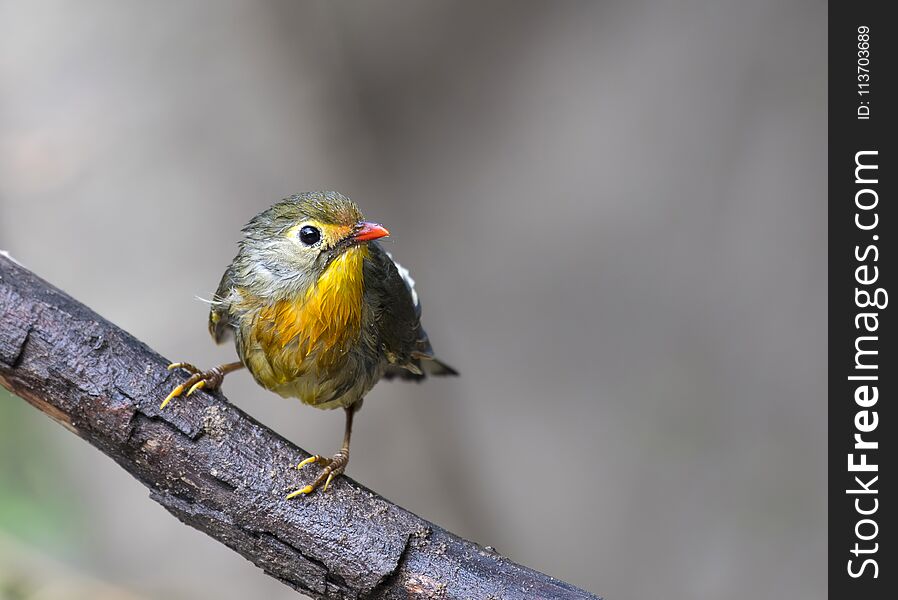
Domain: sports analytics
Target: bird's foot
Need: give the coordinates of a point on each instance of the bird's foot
(331, 467)
(198, 379)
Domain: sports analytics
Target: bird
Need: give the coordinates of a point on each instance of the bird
(318, 311)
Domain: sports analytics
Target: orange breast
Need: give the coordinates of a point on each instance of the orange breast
(313, 333)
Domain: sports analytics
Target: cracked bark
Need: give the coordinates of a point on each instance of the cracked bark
(219, 471)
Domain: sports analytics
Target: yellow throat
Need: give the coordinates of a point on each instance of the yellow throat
(321, 326)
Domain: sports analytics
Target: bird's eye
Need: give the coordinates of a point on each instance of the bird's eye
(309, 235)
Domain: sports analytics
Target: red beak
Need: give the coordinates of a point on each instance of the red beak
(365, 231)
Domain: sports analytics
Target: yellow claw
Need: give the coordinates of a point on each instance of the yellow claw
(174, 366)
(173, 394)
(328, 482)
(306, 490)
(196, 386)
(308, 461)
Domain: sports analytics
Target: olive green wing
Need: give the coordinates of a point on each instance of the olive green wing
(390, 292)
(220, 326)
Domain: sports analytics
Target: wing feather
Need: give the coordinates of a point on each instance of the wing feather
(390, 290)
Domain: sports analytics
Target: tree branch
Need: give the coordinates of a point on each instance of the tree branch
(219, 471)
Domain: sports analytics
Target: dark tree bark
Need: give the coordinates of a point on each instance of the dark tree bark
(219, 471)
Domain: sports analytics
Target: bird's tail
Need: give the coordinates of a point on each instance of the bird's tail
(437, 367)
(423, 366)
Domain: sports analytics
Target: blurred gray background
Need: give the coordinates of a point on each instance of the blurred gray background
(615, 212)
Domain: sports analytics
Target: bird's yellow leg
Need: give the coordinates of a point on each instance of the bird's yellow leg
(331, 467)
(198, 379)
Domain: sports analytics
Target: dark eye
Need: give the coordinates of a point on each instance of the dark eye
(309, 235)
